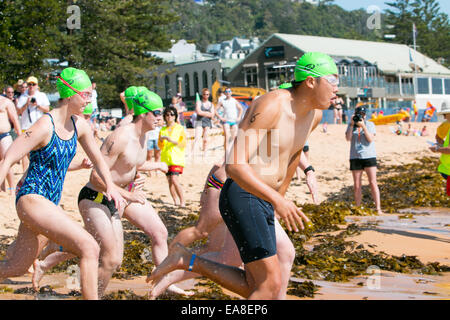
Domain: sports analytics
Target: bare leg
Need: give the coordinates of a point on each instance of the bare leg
(286, 256)
(357, 185)
(107, 231)
(372, 175)
(259, 280)
(146, 218)
(178, 189)
(42, 266)
(173, 191)
(41, 216)
(209, 217)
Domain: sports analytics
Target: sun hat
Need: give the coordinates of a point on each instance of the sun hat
(445, 108)
(32, 80)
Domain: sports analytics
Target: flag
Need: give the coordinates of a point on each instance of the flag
(197, 97)
(410, 56)
(414, 30)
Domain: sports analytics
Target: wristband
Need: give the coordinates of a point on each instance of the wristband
(191, 263)
(310, 168)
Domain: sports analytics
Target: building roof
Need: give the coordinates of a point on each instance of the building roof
(177, 60)
(389, 57)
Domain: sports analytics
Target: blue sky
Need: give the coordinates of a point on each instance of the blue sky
(352, 4)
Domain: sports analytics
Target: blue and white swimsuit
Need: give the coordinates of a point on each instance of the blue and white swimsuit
(48, 167)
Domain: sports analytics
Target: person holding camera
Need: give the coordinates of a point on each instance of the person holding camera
(30, 108)
(363, 157)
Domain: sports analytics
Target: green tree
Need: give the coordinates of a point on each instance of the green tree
(433, 29)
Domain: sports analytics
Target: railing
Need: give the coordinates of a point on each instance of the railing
(377, 82)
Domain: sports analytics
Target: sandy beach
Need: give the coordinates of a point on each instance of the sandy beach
(428, 237)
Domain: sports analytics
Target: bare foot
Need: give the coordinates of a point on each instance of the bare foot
(174, 289)
(37, 274)
(178, 259)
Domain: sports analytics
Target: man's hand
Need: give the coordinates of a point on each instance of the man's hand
(86, 164)
(290, 214)
(136, 196)
(112, 193)
(139, 181)
(163, 167)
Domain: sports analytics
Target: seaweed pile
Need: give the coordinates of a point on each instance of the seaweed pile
(335, 259)
(303, 289)
(213, 292)
(416, 184)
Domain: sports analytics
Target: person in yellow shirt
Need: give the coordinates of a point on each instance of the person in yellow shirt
(444, 148)
(416, 111)
(172, 143)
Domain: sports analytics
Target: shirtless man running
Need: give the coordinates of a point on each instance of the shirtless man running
(260, 185)
(8, 116)
(125, 152)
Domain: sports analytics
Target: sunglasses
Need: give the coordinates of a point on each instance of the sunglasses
(32, 84)
(170, 114)
(84, 95)
(206, 94)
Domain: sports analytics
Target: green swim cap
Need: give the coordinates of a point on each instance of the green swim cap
(146, 101)
(76, 78)
(88, 109)
(130, 93)
(314, 64)
(285, 85)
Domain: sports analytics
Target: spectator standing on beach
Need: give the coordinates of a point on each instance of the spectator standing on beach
(181, 108)
(232, 113)
(172, 142)
(8, 116)
(31, 106)
(444, 148)
(153, 151)
(203, 124)
(363, 157)
(338, 102)
(416, 111)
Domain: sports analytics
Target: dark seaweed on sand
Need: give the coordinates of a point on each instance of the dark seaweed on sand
(332, 257)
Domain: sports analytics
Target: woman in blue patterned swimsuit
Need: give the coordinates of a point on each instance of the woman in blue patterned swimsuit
(52, 143)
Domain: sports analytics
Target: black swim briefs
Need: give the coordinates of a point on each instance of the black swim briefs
(251, 222)
(97, 197)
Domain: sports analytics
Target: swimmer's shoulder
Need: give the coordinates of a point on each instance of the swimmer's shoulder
(266, 108)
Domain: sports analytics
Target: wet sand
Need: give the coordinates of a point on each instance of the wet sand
(426, 236)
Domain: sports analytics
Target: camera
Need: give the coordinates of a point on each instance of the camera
(360, 112)
(33, 100)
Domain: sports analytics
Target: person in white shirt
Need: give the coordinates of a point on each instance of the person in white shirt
(30, 108)
(232, 113)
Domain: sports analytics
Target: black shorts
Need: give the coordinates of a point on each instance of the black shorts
(98, 197)
(360, 164)
(250, 220)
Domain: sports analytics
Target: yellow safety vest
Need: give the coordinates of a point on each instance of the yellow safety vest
(444, 166)
(172, 154)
